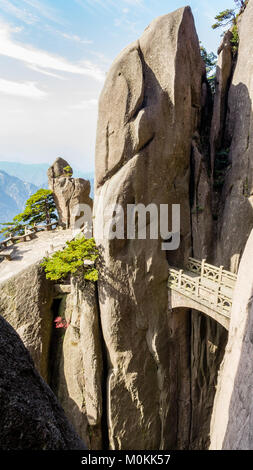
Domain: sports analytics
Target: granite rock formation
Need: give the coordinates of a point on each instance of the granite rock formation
(235, 211)
(25, 302)
(70, 361)
(76, 362)
(233, 409)
(129, 373)
(68, 192)
(149, 110)
(31, 418)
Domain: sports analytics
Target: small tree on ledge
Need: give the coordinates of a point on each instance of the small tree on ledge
(71, 260)
(39, 208)
(225, 18)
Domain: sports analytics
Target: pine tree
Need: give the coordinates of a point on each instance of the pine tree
(228, 17)
(210, 60)
(39, 208)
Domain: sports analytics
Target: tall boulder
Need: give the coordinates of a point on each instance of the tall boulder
(148, 112)
(31, 418)
(232, 418)
(68, 192)
(223, 80)
(25, 302)
(236, 214)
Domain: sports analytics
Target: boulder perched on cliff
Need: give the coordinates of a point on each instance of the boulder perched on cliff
(30, 418)
(68, 192)
(232, 420)
(148, 112)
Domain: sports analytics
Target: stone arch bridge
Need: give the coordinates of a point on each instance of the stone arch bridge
(203, 287)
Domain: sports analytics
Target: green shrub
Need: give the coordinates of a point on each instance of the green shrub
(70, 260)
(235, 38)
(68, 170)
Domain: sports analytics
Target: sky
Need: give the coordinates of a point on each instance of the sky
(54, 56)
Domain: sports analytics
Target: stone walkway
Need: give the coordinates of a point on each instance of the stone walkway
(26, 254)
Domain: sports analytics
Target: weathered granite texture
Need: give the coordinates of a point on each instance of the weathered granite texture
(148, 112)
(25, 302)
(232, 418)
(30, 418)
(68, 192)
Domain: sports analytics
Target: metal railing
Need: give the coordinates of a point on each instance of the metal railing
(206, 284)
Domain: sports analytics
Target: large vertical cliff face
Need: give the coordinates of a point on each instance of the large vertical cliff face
(233, 411)
(232, 414)
(25, 302)
(31, 418)
(127, 370)
(76, 362)
(236, 214)
(71, 360)
(149, 110)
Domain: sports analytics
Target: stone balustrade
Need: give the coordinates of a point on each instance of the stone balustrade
(206, 284)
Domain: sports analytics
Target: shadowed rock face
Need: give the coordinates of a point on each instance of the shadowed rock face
(148, 112)
(233, 413)
(233, 409)
(30, 418)
(236, 214)
(68, 192)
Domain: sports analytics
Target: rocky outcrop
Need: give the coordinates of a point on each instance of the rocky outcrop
(201, 203)
(25, 302)
(223, 80)
(70, 360)
(77, 363)
(126, 369)
(236, 214)
(31, 418)
(233, 409)
(68, 192)
(148, 112)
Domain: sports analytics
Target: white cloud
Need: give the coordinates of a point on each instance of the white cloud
(126, 24)
(109, 5)
(43, 10)
(75, 38)
(27, 89)
(138, 3)
(29, 11)
(21, 13)
(43, 59)
(86, 104)
(44, 72)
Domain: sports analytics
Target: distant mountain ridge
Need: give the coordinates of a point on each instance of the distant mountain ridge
(13, 195)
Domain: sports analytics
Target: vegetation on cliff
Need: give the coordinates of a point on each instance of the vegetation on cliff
(210, 60)
(229, 17)
(71, 260)
(39, 208)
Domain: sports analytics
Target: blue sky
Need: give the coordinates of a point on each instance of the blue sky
(54, 55)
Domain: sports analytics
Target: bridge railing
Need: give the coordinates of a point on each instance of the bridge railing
(213, 273)
(193, 288)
